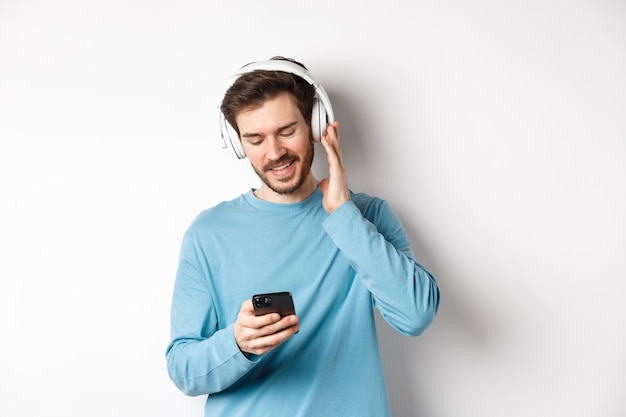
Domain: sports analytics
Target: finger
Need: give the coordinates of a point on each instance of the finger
(247, 318)
(260, 322)
(279, 326)
(333, 151)
(324, 185)
(331, 142)
(247, 306)
(334, 127)
(263, 344)
(249, 329)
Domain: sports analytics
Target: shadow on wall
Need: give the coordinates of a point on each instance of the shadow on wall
(411, 363)
(351, 139)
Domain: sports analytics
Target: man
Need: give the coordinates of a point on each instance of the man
(339, 253)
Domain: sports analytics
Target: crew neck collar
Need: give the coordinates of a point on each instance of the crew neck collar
(314, 198)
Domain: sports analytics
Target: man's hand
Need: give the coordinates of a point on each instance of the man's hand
(335, 188)
(260, 334)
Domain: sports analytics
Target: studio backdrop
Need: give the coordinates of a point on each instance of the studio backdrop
(495, 129)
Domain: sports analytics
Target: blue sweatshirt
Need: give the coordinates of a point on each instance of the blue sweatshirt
(337, 267)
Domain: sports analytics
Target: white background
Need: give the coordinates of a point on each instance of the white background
(496, 130)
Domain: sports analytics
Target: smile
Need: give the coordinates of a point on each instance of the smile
(283, 166)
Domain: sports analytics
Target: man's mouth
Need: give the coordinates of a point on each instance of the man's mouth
(283, 166)
(278, 166)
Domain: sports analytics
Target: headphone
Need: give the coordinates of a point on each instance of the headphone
(321, 116)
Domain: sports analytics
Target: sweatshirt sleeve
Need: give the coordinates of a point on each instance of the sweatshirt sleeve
(202, 358)
(376, 245)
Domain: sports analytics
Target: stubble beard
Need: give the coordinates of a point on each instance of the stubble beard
(284, 188)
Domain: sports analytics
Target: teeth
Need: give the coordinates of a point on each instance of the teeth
(278, 168)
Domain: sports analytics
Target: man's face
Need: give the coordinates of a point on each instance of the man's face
(277, 141)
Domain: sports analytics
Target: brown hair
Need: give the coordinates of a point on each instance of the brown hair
(252, 89)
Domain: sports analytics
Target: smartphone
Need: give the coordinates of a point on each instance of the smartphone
(275, 302)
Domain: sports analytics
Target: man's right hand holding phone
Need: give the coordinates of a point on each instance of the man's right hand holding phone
(258, 335)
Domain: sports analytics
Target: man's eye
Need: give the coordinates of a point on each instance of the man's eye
(287, 133)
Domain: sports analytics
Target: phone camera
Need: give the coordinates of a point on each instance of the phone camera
(262, 302)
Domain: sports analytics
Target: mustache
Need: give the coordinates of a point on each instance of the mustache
(280, 161)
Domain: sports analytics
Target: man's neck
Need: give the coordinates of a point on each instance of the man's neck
(301, 194)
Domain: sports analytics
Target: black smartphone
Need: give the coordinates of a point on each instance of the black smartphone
(275, 302)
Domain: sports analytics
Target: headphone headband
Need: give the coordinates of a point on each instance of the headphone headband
(278, 65)
(322, 109)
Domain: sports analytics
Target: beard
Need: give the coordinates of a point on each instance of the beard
(292, 184)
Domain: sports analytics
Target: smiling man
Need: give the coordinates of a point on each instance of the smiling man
(339, 253)
(278, 143)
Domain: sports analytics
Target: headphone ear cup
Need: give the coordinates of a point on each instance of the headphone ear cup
(230, 138)
(235, 142)
(321, 115)
(318, 120)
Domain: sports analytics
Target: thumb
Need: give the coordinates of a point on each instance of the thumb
(324, 185)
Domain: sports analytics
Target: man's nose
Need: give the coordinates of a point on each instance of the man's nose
(275, 148)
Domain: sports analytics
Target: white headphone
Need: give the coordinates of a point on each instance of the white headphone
(321, 116)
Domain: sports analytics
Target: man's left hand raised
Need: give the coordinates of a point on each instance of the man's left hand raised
(334, 188)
